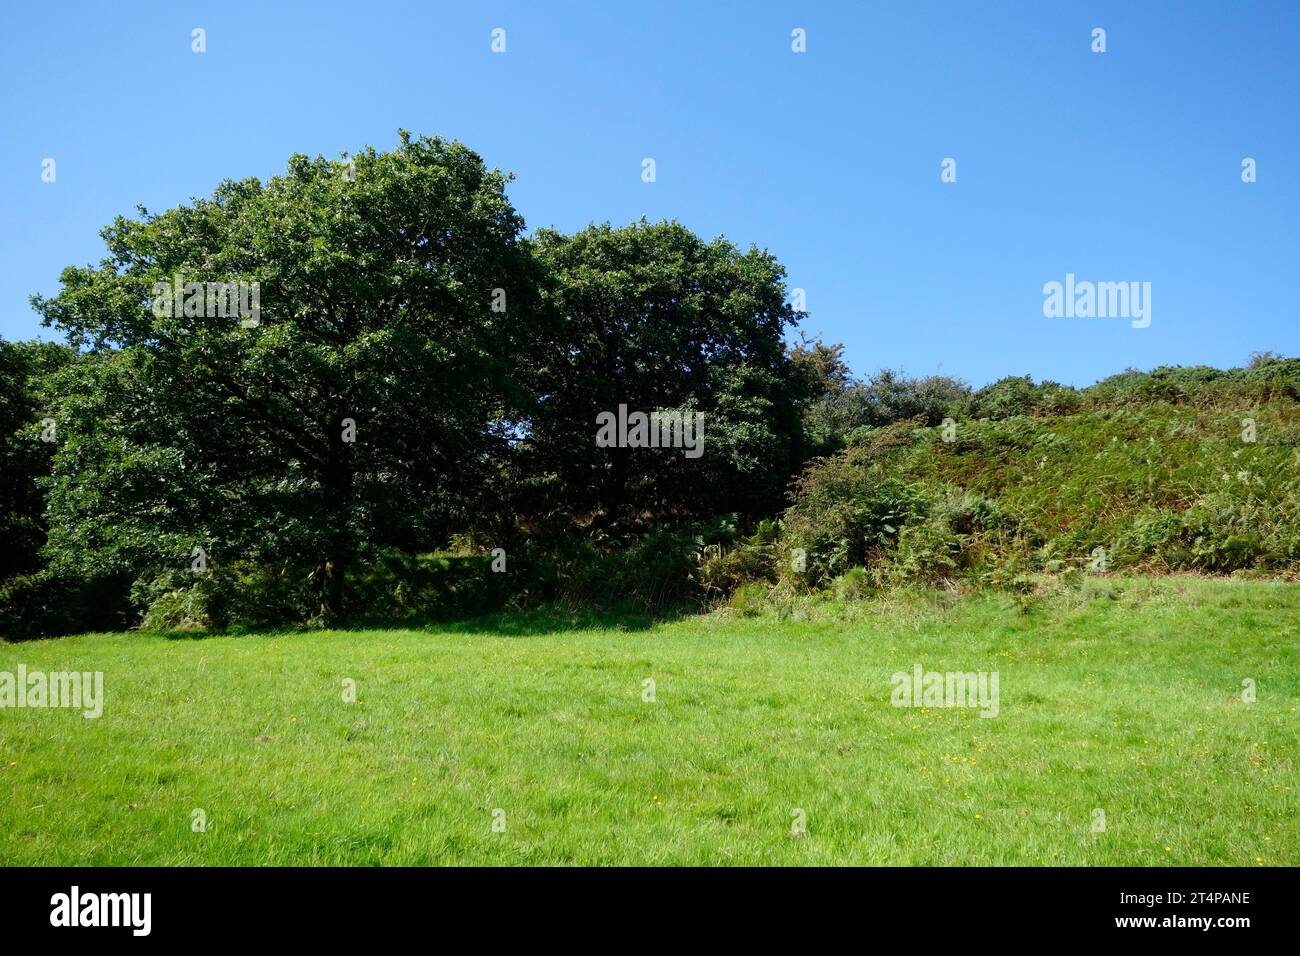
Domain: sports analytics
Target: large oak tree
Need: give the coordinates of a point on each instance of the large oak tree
(396, 302)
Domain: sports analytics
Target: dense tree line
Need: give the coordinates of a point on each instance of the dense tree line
(273, 405)
(417, 369)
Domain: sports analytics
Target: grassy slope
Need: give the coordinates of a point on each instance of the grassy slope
(1123, 697)
(1082, 481)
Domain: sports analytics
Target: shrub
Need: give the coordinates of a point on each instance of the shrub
(238, 595)
(399, 588)
(847, 512)
(927, 553)
(1005, 398)
(655, 570)
(853, 585)
(751, 560)
(45, 604)
(750, 600)
(886, 398)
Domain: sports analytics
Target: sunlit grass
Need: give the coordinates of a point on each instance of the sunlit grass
(1124, 698)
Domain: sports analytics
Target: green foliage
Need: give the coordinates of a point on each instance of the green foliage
(853, 585)
(849, 509)
(1005, 398)
(655, 318)
(845, 410)
(24, 454)
(929, 552)
(756, 558)
(239, 596)
(45, 604)
(376, 293)
(653, 571)
(750, 599)
(391, 588)
(401, 306)
(1159, 488)
(403, 588)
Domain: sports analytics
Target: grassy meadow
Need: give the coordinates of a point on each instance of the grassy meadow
(1123, 695)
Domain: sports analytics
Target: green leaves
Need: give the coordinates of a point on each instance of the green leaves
(190, 428)
(656, 319)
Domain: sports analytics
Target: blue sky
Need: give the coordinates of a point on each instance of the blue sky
(1122, 166)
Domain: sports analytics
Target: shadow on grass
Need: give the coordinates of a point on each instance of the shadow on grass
(553, 621)
(527, 623)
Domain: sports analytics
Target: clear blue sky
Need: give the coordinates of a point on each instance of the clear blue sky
(1116, 166)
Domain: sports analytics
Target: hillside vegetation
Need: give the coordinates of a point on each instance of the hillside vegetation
(916, 483)
(1179, 470)
(403, 428)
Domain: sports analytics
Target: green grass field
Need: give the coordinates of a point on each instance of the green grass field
(1125, 696)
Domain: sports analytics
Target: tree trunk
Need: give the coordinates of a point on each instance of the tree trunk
(338, 551)
(331, 595)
